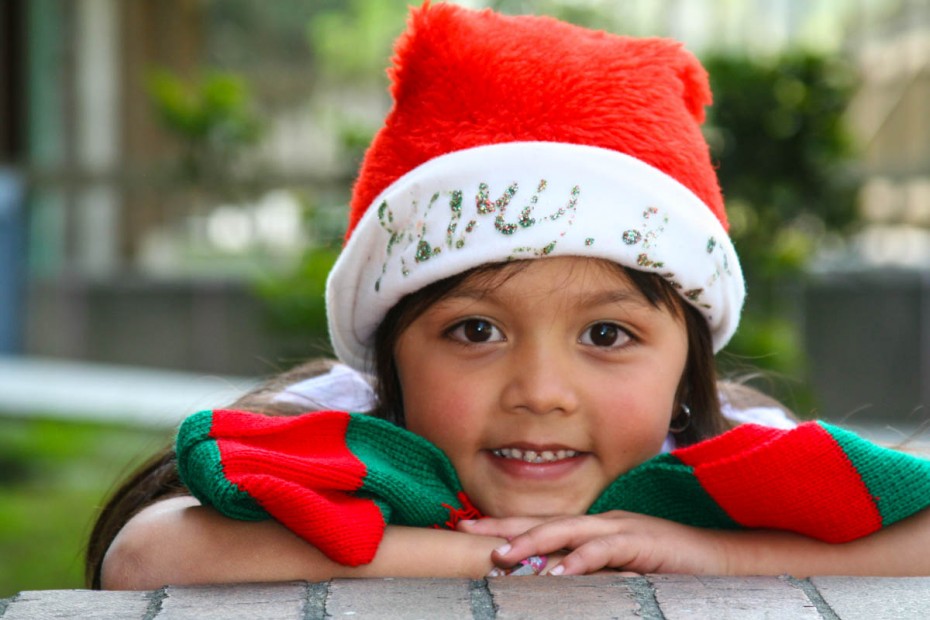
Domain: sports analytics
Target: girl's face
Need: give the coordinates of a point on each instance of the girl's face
(542, 382)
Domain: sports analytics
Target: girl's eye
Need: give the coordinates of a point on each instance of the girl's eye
(605, 335)
(476, 330)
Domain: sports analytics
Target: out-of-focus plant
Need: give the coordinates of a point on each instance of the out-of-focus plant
(295, 301)
(777, 132)
(597, 14)
(213, 117)
(354, 40)
(351, 43)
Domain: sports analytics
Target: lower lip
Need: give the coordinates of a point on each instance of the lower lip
(536, 471)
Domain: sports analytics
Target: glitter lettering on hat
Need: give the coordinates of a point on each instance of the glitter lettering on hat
(414, 233)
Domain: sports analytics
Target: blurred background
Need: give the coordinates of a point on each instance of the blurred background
(173, 182)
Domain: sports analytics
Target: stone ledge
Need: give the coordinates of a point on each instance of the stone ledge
(653, 597)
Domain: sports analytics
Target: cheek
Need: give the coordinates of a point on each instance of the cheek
(633, 423)
(443, 414)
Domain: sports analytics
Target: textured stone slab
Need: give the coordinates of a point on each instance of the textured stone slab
(594, 596)
(274, 601)
(876, 598)
(42, 604)
(686, 596)
(354, 599)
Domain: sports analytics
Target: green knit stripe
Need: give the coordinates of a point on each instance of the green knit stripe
(667, 488)
(193, 430)
(200, 467)
(411, 477)
(899, 483)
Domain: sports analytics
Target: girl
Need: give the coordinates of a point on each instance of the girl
(538, 274)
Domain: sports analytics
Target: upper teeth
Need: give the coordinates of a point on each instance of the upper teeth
(532, 456)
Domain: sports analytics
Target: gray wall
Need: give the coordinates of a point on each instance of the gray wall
(868, 341)
(213, 327)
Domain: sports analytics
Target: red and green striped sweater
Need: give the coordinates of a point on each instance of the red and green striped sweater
(337, 479)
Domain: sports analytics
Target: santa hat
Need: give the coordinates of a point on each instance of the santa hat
(517, 137)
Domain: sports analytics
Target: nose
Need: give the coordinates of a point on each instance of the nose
(541, 379)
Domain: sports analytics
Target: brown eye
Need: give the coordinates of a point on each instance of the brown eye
(605, 335)
(476, 331)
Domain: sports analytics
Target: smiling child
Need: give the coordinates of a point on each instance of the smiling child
(536, 278)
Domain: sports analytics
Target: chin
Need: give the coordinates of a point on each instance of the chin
(534, 509)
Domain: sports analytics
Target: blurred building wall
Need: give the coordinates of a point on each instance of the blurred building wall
(12, 260)
(868, 338)
(891, 116)
(104, 198)
(868, 308)
(12, 197)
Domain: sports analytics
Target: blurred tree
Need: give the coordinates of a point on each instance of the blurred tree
(213, 118)
(777, 131)
(352, 41)
(296, 303)
(593, 14)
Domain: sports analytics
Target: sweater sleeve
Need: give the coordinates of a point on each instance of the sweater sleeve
(816, 479)
(337, 479)
(333, 478)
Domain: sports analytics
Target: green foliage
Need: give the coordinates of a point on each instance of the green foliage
(354, 41)
(250, 34)
(213, 117)
(54, 476)
(776, 131)
(296, 302)
(589, 15)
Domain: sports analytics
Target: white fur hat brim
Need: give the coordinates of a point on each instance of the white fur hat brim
(524, 200)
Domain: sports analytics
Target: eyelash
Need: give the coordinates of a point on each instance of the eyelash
(463, 339)
(620, 334)
(457, 333)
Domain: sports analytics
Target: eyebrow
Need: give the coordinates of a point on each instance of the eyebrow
(598, 298)
(614, 296)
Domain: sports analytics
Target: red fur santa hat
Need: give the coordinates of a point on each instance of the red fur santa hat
(516, 137)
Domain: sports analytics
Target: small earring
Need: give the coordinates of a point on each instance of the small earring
(686, 414)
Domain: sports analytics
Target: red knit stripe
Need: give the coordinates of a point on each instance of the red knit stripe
(295, 442)
(799, 480)
(348, 529)
(745, 436)
(307, 475)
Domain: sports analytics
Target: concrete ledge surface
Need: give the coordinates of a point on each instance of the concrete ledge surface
(652, 597)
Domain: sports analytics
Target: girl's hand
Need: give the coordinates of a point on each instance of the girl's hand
(617, 540)
(633, 542)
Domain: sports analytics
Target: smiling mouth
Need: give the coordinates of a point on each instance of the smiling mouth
(533, 456)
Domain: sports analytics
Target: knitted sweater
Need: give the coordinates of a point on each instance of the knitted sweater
(337, 479)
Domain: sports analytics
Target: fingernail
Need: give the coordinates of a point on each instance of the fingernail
(467, 522)
(496, 572)
(557, 570)
(503, 549)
